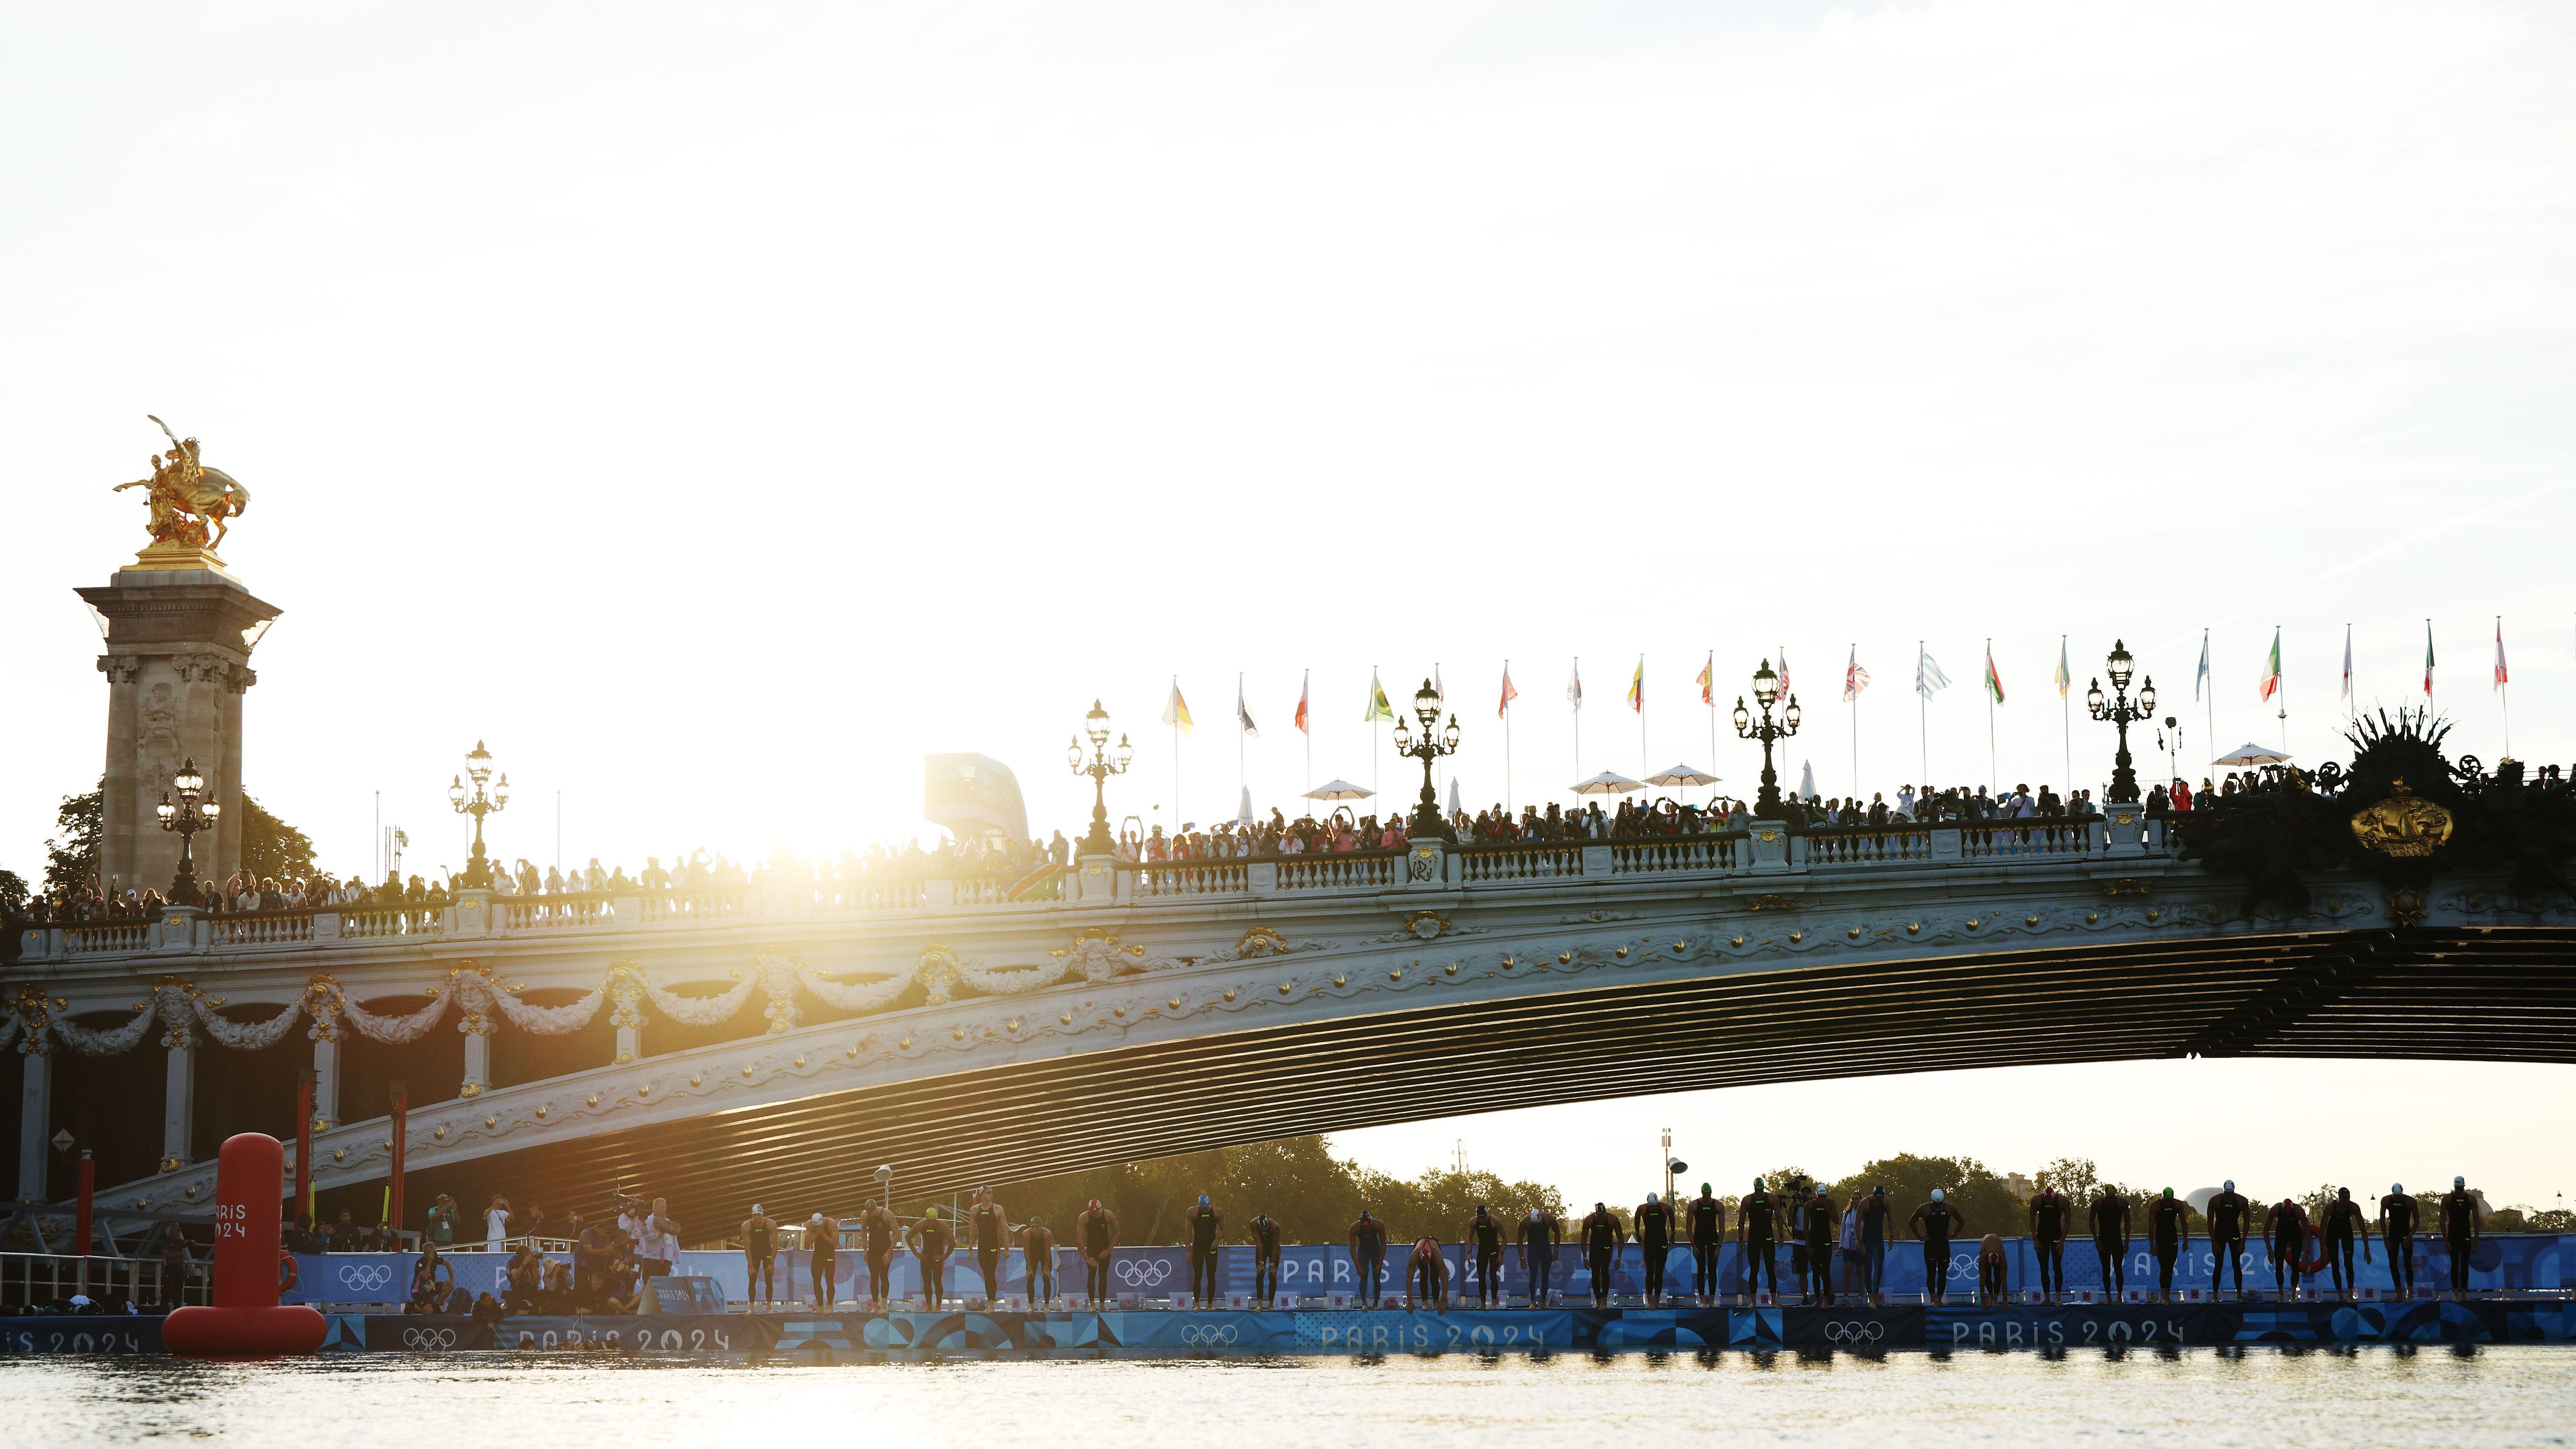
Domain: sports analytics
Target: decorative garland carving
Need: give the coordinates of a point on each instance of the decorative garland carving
(109, 1041)
(852, 995)
(700, 1010)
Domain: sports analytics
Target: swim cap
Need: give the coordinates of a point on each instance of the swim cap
(1480, 1210)
(934, 1210)
(2230, 1185)
(2343, 1194)
(2459, 1182)
(1203, 1202)
(1035, 1221)
(1936, 1194)
(1878, 1191)
(1757, 1184)
(2396, 1189)
(755, 1209)
(1364, 1216)
(2168, 1192)
(1703, 1189)
(1601, 1207)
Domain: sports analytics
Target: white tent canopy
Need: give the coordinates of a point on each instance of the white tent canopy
(2252, 755)
(1608, 782)
(1807, 781)
(1681, 775)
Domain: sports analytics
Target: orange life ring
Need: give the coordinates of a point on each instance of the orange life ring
(287, 1260)
(2317, 1246)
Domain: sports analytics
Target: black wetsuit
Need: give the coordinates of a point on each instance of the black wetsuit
(1600, 1252)
(984, 1224)
(1265, 1261)
(2397, 1234)
(1824, 1229)
(2168, 1228)
(876, 1245)
(1368, 1254)
(2228, 1213)
(1095, 1257)
(1539, 1235)
(2110, 1214)
(933, 1254)
(2460, 1234)
(2343, 1229)
(2048, 1239)
(760, 1253)
(1654, 1245)
(1485, 1247)
(1754, 1215)
(1424, 1272)
(1935, 1232)
(1204, 1222)
(1707, 1219)
(2287, 1232)
(823, 1264)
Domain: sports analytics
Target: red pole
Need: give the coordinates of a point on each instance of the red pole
(303, 1145)
(402, 1110)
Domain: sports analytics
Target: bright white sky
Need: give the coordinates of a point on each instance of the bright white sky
(715, 407)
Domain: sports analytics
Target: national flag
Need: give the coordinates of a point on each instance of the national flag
(2428, 659)
(2065, 676)
(1855, 678)
(1785, 688)
(1927, 674)
(1708, 681)
(1439, 691)
(1994, 681)
(2499, 680)
(2202, 677)
(1304, 681)
(1504, 709)
(1176, 710)
(2347, 661)
(1243, 712)
(1574, 686)
(1637, 688)
(2272, 666)
(1378, 708)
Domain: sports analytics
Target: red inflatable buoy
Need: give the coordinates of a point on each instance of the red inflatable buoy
(246, 1320)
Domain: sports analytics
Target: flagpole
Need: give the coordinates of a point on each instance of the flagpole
(1176, 759)
(1507, 740)
(2066, 713)
(1241, 781)
(1578, 721)
(1849, 660)
(2503, 701)
(2282, 694)
(1708, 696)
(1644, 765)
(1375, 725)
(2209, 712)
(1923, 716)
(1993, 779)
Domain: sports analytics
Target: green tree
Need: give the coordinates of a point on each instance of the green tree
(72, 861)
(2074, 1177)
(1983, 1201)
(271, 848)
(13, 892)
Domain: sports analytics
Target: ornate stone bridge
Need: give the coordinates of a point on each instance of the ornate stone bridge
(716, 1046)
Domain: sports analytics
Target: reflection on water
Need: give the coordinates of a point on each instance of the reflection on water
(2206, 1398)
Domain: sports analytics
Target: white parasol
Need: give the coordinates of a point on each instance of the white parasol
(1339, 790)
(1681, 775)
(2252, 755)
(1608, 782)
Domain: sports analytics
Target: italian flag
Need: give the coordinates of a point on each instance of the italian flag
(2428, 659)
(2272, 668)
(1994, 681)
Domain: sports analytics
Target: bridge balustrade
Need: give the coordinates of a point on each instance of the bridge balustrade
(1520, 860)
(1194, 877)
(1675, 852)
(1341, 870)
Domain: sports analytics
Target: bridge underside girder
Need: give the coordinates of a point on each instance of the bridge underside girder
(2492, 995)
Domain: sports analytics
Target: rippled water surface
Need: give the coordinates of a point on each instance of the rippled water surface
(2205, 1398)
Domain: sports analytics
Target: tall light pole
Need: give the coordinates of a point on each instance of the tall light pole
(478, 768)
(1430, 745)
(1766, 692)
(184, 817)
(2118, 711)
(1102, 763)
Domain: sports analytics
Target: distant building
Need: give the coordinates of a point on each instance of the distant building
(2021, 1186)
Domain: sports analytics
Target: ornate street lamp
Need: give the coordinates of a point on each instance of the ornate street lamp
(2118, 711)
(1102, 763)
(478, 768)
(1766, 692)
(1433, 742)
(184, 817)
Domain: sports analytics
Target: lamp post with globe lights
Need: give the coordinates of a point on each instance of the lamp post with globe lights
(478, 768)
(2120, 712)
(1766, 691)
(184, 817)
(1433, 742)
(1100, 763)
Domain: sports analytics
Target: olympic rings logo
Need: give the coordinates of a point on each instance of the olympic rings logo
(1862, 1331)
(1213, 1335)
(429, 1338)
(1145, 1273)
(365, 1275)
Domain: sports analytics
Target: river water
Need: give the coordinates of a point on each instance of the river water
(2345, 1398)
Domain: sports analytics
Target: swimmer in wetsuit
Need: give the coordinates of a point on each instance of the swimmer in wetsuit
(1095, 1235)
(1206, 1227)
(2461, 1228)
(1706, 1217)
(822, 1258)
(1993, 1272)
(2228, 1213)
(2342, 1227)
(1426, 1276)
(2168, 1233)
(2285, 1230)
(878, 1234)
(2049, 1212)
(1824, 1228)
(1873, 1243)
(2397, 1235)
(1933, 1222)
(1368, 1257)
(1037, 1262)
(760, 1257)
(1654, 1223)
(931, 1245)
(1755, 1217)
(2109, 1214)
(1540, 1234)
(1602, 1236)
(1485, 1249)
(988, 1229)
(1263, 1231)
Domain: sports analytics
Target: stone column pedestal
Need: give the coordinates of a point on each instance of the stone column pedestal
(1097, 876)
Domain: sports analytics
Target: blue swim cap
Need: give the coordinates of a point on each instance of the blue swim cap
(1203, 1200)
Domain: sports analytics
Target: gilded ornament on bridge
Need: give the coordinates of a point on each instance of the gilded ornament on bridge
(2127, 885)
(2405, 907)
(1095, 953)
(1426, 924)
(189, 504)
(1258, 942)
(937, 971)
(2405, 825)
(1424, 863)
(1769, 903)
